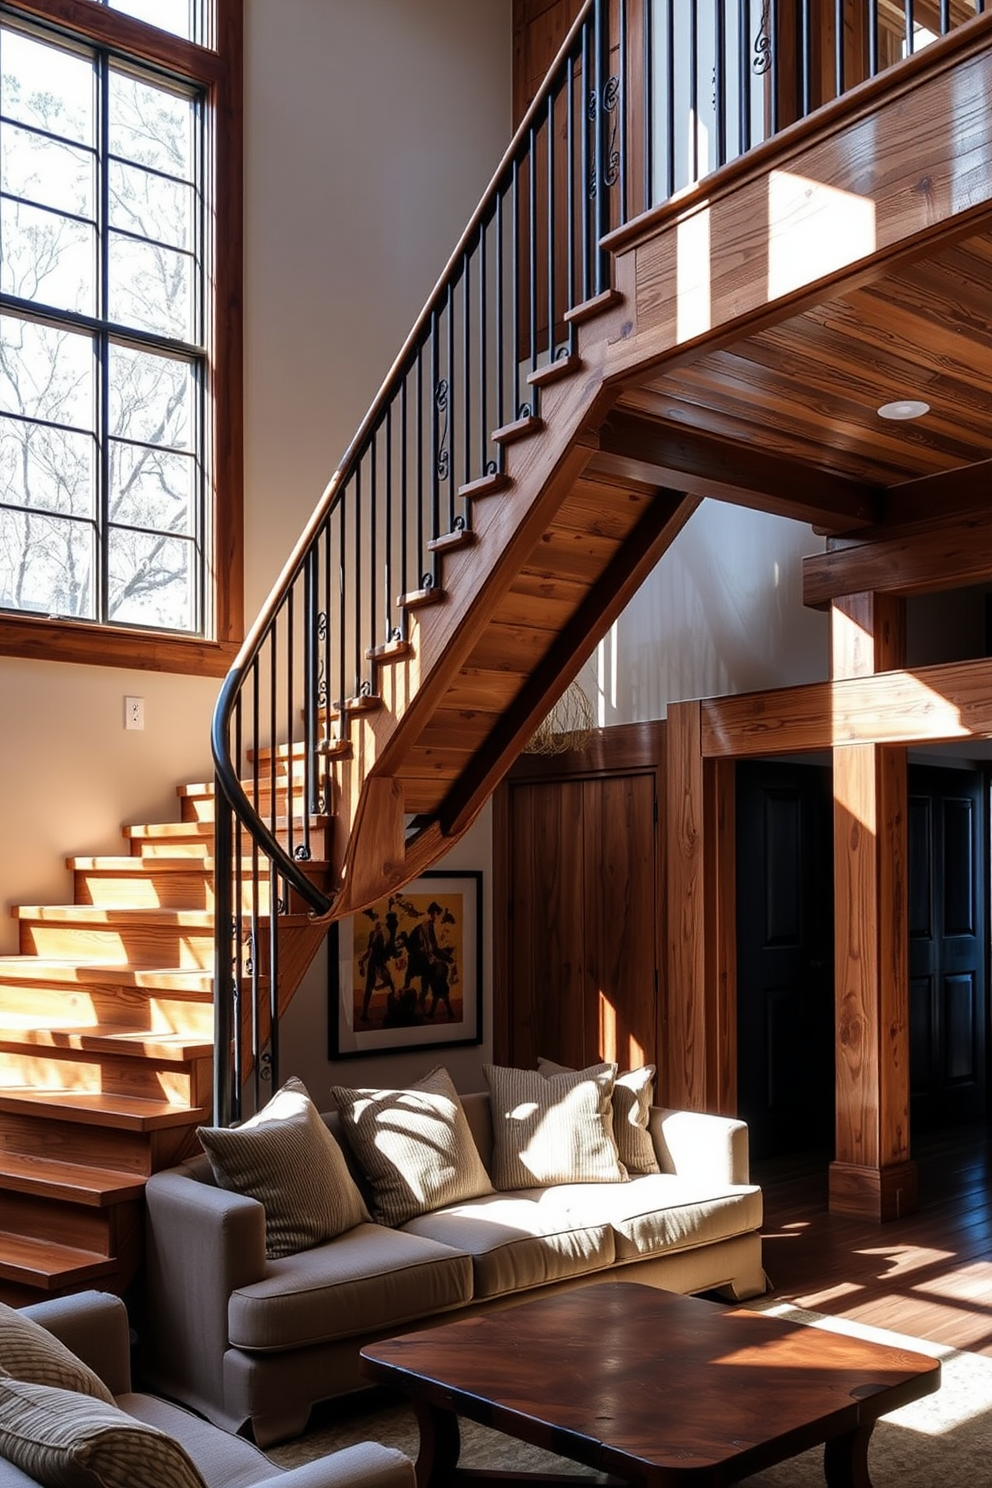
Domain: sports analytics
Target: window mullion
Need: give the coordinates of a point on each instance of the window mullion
(103, 311)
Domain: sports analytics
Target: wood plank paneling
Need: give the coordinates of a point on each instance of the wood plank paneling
(685, 1006)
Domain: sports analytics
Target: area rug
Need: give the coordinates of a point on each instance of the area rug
(939, 1442)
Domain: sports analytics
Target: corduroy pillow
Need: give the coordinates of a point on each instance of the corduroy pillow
(414, 1146)
(553, 1128)
(633, 1095)
(29, 1352)
(285, 1157)
(67, 1440)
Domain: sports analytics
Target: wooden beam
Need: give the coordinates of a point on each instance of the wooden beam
(939, 555)
(720, 911)
(926, 706)
(686, 1031)
(952, 492)
(867, 635)
(645, 448)
(664, 518)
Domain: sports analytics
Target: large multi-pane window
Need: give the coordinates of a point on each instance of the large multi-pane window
(109, 373)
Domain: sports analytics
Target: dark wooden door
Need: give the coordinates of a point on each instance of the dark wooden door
(947, 825)
(582, 931)
(785, 997)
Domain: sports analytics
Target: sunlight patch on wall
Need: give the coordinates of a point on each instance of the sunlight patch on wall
(813, 230)
(692, 276)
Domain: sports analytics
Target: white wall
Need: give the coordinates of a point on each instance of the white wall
(721, 613)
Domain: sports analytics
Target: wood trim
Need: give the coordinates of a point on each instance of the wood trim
(220, 69)
(619, 749)
(685, 1040)
(927, 705)
(939, 555)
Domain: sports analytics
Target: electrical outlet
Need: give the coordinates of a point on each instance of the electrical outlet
(134, 713)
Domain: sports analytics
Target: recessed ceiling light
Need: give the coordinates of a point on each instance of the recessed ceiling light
(904, 408)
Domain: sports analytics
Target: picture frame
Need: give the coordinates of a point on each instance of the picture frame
(406, 973)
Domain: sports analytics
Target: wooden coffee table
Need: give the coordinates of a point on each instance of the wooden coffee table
(649, 1387)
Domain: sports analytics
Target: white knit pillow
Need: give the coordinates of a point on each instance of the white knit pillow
(415, 1146)
(285, 1157)
(553, 1129)
(66, 1440)
(29, 1352)
(633, 1096)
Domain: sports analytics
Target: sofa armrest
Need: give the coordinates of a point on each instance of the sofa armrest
(697, 1145)
(201, 1243)
(94, 1325)
(365, 1465)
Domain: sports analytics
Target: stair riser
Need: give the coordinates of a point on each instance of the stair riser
(321, 840)
(68, 1141)
(81, 1227)
(53, 1007)
(143, 946)
(182, 1085)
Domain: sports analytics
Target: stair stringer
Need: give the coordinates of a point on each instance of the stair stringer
(541, 469)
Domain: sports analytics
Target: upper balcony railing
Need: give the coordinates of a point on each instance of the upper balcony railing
(644, 98)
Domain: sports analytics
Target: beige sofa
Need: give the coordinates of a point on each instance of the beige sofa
(254, 1341)
(94, 1326)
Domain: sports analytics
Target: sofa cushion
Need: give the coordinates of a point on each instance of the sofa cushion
(224, 1460)
(658, 1212)
(633, 1093)
(520, 1240)
(70, 1440)
(553, 1129)
(365, 1281)
(285, 1157)
(414, 1146)
(29, 1352)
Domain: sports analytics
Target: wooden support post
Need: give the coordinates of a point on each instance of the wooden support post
(701, 995)
(872, 1174)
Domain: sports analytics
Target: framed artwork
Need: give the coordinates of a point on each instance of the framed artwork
(406, 973)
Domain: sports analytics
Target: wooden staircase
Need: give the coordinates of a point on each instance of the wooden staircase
(106, 1050)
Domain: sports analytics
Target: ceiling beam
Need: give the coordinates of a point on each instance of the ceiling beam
(938, 555)
(634, 446)
(929, 705)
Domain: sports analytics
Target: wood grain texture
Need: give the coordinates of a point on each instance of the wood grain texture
(928, 704)
(867, 635)
(720, 879)
(945, 554)
(686, 1032)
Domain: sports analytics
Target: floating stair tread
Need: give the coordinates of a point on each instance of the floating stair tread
(597, 305)
(49, 1267)
(490, 484)
(140, 1043)
(96, 1108)
(562, 366)
(73, 1183)
(176, 980)
(149, 867)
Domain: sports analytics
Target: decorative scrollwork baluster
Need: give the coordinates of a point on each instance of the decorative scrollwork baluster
(611, 154)
(441, 416)
(763, 43)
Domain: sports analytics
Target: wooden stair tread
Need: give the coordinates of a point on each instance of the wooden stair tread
(140, 1043)
(96, 1108)
(100, 914)
(125, 864)
(48, 1267)
(75, 1183)
(175, 980)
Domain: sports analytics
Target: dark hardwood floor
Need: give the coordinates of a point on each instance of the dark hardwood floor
(928, 1275)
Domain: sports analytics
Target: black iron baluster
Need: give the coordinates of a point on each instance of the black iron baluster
(372, 632)
(806, 53)
(387, 567)
(601, 167)
(588, 167)
(719, 87)
(571, 293)
(404, 459)
(872, 37)
(237, 921)
(251, 970)
(532, 241)
(446, 473)
(499, 332)
(550, 128)
(516, 290)
(839, 8)
(694, 89)
(290, 734)
(421, 502)
(945, 17)
(647, 107)
(355, 683)
(622, 72)
(223, 1093)
(910, 29)
(483, 356)
(670, 99)
(466, 391)
(338, 696)
(310, 632)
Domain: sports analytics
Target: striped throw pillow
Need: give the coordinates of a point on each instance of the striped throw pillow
(285, 1157)
(67, 1440)
(415, 1146)
(633, 1096)
(553, 1129)
(30, 1352)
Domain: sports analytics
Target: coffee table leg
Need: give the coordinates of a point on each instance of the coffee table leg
(440, 1443)
(845, 1459)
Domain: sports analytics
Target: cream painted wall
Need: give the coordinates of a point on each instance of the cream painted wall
(721, 613)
